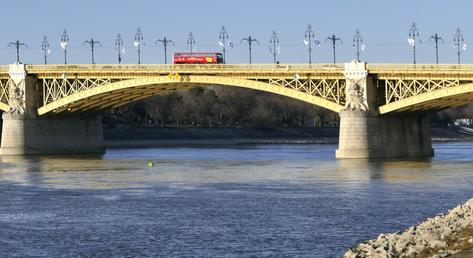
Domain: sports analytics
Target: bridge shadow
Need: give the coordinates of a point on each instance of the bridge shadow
(393, 170)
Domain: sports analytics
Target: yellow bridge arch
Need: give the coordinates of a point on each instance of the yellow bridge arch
(115, 94)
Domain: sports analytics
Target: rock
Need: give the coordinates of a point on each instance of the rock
(431, 235)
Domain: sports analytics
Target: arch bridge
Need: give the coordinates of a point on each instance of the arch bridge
(372, 99)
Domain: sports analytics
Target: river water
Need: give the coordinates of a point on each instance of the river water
(235, 201)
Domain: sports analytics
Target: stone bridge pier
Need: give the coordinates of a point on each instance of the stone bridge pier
(364, 133)
(25, 133)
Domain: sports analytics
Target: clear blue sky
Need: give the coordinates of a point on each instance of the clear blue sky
(384, 26)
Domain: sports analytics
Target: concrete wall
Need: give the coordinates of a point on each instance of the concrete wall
(52, 135)
(370, 136)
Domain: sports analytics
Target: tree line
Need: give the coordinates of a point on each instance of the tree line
(216, 106)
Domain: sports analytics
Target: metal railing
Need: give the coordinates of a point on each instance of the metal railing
(218, 68)
(425, 68)
(243, 68)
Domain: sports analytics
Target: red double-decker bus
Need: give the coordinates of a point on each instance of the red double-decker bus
(198, 58)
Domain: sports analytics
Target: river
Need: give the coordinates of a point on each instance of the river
(289, 200)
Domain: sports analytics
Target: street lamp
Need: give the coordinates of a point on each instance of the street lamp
(333, 39)
(190, 42)
(17, 44)
(45, 49)
(309, 35)
(250, 41)
(436, 38)
(165, 43)
(92, 43)
(358, 44)
(119, 47)
(459, 43)
(223, 36)
(412, 39)
(64, 43)
(274, 40)
(138, 42)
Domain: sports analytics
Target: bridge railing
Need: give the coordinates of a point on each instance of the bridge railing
(400, 68)
(184, 67)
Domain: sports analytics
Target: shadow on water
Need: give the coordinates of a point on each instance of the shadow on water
(393, 170)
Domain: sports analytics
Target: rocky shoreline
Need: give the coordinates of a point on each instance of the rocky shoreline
(442, 236)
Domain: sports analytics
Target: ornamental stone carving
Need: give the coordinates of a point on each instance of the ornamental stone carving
(17, 100)
(355, 90)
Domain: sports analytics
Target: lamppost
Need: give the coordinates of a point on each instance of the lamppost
(223, 36)
(45, 49)
(459, 43)
(190, 42)
(412, 39)
(333, 39)
(250, 41)
(436, 38)
(274, 40)
(165, 43)
(309, 35)
(138, 42)
(358, 44)
(17, 44)
(119, 47)
(64, 43)
(92, 43)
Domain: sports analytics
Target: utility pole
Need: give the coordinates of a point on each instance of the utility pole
(250, 41)
(92, 44)
(436, 38)
(191, 42)
(17, 44)
(459, 43)
(413, 37)
(333, 39)
(64, 43)
(138, 42)
(119, 47)
(274, 40)
(358, 44)
(223, 36)
(45, 49)
(165, 43)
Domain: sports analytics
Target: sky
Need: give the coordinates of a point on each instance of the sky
(383, 24)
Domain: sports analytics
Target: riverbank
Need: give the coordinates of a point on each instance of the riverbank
(150, 136)
(441, 236)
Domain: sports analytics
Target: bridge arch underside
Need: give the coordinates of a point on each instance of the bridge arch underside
(431, 101)
(123, 92)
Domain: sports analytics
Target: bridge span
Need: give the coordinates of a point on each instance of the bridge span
(383, 107)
